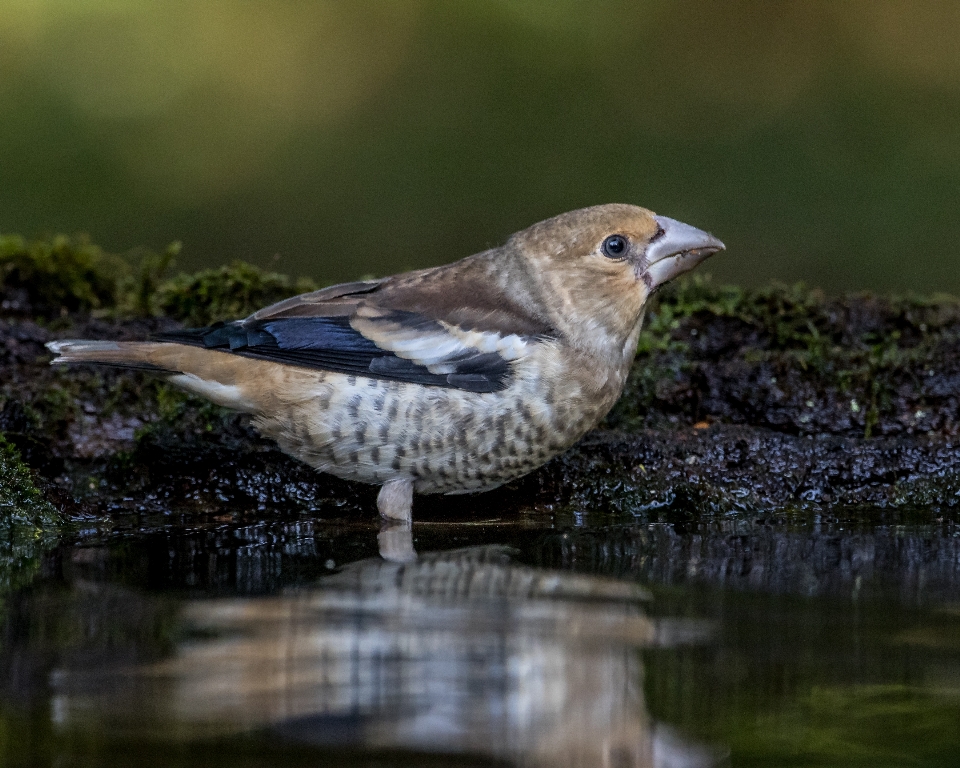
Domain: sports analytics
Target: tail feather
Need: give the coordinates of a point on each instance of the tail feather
(229, 380)
(125, 354)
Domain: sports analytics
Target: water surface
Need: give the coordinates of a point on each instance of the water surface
(287, 640)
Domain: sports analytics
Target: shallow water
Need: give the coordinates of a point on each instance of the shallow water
(286, 640)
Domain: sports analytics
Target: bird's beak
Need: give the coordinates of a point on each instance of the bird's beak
(678, 249)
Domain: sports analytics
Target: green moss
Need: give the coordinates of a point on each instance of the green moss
(648, 497)
(226, 293)
(176, 407)
(62, 274)
(688, 296)
(139, 296)
(931, 492)
(51, 277)
(790, 357)
(20, 501)
(55, 405)
(28, 523)
(792, 317)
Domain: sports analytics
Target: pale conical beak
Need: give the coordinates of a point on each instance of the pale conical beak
(678, 249)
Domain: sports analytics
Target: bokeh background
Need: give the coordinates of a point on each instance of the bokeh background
(820, 140)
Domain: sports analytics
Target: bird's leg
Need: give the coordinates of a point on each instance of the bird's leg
(395, 502)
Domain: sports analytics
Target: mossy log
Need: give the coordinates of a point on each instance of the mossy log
(759, 402)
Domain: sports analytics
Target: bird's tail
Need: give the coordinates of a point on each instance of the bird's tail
(225, 379)
(128, 354)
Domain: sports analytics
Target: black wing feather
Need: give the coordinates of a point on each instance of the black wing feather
(332, 344)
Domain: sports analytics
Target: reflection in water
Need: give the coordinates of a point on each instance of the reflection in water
(466, 658)
(458, 652)
(395, 541)
(907, 563)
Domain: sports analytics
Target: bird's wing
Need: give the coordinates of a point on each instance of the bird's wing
(347, 330)
(333, 300)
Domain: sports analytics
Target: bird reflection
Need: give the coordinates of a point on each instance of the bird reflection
(395, 541)
(462, 652)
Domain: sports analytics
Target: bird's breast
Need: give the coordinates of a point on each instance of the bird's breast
(446, 440)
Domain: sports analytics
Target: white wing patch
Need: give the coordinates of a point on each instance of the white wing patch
(509, 347)
(440, 347)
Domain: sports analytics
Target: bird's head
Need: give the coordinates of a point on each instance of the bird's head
(602, 263)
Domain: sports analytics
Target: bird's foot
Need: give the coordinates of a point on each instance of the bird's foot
(395, 502)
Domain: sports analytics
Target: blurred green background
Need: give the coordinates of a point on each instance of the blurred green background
(820, 140)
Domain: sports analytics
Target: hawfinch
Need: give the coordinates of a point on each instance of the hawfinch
(453, 379)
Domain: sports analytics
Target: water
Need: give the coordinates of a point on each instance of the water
(286, 640)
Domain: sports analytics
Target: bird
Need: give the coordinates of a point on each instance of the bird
(447, 380)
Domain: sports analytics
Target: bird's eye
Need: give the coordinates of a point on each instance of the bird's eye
(614, 247)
